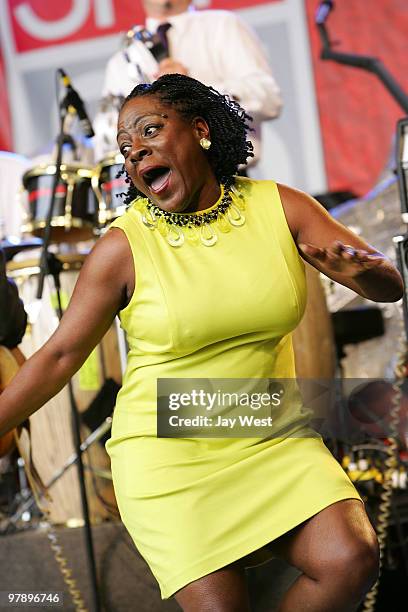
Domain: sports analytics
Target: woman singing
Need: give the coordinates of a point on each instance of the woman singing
(206, 272)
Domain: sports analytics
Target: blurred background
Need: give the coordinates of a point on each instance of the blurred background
(337, 124)
(336, 138)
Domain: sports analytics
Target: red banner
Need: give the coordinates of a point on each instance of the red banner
(37, 24)
(5, 122)
(232, 5)
(357, 114)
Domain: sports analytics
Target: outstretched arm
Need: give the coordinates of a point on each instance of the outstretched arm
(101, 291)
(336, 251)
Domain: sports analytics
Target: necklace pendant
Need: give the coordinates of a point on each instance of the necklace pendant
(235, 216)
(175, 236)
(140, 204)
(192, 235)
(236, 191)
(162, 227)
(195, 228)
(238, 202)
(149, 218)
(237, 198)
(223, 225)
(208, 236)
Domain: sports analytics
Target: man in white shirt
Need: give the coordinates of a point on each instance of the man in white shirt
(215, 47)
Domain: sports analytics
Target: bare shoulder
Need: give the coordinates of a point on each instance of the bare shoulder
(111, 262)
(300, 208)
(291, 193)
(110, 251)
(310, 223)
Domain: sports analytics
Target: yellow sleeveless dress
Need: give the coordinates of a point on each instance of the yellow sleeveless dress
(194, 505)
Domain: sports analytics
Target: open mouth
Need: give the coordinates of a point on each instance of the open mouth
(157, 178)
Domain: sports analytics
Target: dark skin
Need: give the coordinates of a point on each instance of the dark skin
(163, 138)
(336, 550)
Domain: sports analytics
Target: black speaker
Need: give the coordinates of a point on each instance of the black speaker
(353, 326)
(101, 407)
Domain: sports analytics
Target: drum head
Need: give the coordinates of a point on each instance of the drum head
(110, 188)
(75, 204)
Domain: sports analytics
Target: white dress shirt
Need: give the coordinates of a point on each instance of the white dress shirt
(218, 49)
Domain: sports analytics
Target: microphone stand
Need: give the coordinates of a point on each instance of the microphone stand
(365, 62)
(50, 264)
(374, 65)
(29, 501)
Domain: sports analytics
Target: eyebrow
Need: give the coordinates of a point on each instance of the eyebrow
(124, 130)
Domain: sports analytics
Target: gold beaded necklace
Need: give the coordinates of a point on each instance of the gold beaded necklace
(196, 227)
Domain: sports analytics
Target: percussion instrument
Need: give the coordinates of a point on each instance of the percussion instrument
(51, 429)
(105, 126)
(75, 206)
(11, 246)
(108, 187)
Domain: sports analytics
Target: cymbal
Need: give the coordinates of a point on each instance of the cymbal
(11, 246)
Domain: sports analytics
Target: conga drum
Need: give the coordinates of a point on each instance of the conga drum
(75, 207)
(50, 427)
(109, 187)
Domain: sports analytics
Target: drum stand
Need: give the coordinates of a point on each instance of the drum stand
(50, 264)
(28, 500)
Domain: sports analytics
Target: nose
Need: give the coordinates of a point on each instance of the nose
(139, 151)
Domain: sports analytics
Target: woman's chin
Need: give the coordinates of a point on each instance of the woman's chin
(172, 204)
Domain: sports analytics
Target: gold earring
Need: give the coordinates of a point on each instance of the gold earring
(205, 143)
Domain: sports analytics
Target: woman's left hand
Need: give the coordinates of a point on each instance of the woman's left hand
(341, 258)
(336, 251)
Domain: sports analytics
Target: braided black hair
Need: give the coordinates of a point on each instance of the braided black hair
(226, 120)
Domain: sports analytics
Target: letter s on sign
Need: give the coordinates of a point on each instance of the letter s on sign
(60, 28)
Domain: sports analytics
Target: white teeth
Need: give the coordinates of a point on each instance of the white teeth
(158, 182)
